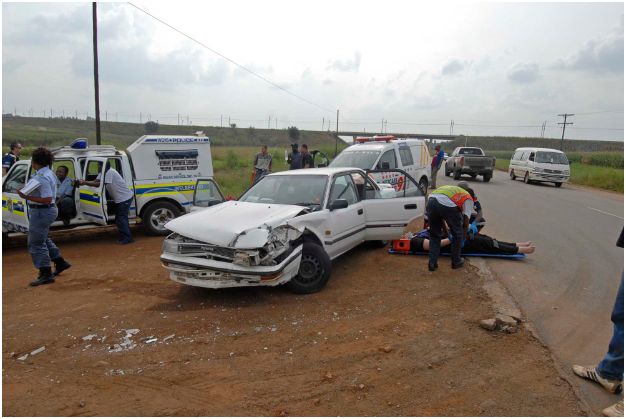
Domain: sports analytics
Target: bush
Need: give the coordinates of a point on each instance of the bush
(232, 160)
(294, 133)
(151, 127)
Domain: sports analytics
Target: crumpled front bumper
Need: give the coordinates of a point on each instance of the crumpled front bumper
(200, 272)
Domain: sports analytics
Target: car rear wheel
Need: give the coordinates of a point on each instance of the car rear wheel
(527, 178)
(486, 178)
(558, 184)
(457, 174)
(512, 174)
(314, 270)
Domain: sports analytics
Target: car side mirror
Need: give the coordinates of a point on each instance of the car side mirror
(338, 204)
(385, 165)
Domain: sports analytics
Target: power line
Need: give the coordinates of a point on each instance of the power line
(230, 60)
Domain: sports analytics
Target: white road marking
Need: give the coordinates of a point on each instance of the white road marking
(607, 213)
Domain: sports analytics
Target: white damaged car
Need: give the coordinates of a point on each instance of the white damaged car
(286, 228)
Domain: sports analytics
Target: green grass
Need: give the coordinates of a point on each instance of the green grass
(609, 178)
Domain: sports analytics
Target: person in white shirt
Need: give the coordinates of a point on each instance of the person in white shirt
(123, 198)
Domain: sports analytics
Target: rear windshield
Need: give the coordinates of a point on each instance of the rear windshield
(471, 152)
(363, 159)
(551, 157)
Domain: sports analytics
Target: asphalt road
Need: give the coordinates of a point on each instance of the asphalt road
(568, 286)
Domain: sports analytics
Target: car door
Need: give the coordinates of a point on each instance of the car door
(345, 226)
(387, 215)
(206, 194)
(93, 203)
(14, 208)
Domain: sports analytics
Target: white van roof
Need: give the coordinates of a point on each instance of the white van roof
(380, 145)
(537, 149)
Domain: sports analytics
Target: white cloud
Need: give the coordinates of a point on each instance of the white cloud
(524, 73)
(453, 67)
(349, 65)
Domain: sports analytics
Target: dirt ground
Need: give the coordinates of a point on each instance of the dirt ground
(386, 337)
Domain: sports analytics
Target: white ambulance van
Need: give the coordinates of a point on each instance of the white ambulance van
(161, 170)
(386, 152)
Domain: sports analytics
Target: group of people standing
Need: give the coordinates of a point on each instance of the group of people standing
(299, 158)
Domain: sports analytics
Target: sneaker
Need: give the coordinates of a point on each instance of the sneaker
(616, 410)
(590, 373)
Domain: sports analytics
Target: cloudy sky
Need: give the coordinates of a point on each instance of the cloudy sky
(493, 68)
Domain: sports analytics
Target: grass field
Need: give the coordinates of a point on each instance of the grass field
(586, 174)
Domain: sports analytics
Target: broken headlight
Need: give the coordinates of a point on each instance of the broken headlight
(170, 246)
(246, 258)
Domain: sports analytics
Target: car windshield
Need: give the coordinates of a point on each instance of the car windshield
(305, 190)
(471, 152)
(363, 159)
(552, 157)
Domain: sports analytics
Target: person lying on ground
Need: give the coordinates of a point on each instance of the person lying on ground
(480, 243)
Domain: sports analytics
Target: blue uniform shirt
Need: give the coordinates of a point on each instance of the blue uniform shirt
(64, 188)
(9, 160)
(43, 184)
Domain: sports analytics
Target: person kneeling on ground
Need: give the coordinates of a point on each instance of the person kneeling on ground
(65, 195)
(477, 213)
(478, 244)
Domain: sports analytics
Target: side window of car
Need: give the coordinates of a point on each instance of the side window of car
(525, 155)
(405, 156)
(388, 157)
(531, 157)
(343, 188)
(16, 179)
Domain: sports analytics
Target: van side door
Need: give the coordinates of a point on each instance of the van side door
(93, 203)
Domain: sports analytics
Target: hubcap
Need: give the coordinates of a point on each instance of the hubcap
(160, 217)
(310, 269)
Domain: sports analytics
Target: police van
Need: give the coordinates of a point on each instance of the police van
(386, 152)
(161, 170)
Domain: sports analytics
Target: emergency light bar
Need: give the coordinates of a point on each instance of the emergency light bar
(385, 138)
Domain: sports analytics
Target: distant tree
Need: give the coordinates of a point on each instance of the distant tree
(233, 125)
(294, 133)
(151, 127)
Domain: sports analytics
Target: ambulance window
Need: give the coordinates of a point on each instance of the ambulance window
(16, 179)
(388, 157)
(405, 156)
(67, 163)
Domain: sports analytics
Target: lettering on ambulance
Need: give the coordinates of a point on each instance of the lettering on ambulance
(189, 140)
(395, 179)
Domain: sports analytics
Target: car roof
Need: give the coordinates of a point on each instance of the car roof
(380, 145)
(325, 171)
(536, 149)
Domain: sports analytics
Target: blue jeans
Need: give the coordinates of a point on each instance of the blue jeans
(40, 247)
(612, 366)
(437, 213)
(121, 220)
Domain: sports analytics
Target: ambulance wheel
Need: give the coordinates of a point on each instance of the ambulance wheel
(527, 178)
(512, 174)
(157, 215)
(314, 271)
(424, 185)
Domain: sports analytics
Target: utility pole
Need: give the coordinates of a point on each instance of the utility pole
(269, 121)
(564, 123)
(95, 70)
(221, 116)
(276, 122)
(451, 126)
(382, 123)
(229, 120)
(140, 117)
(323, 123)
(337, 134)
(386, 126)
(178, 119)
(543, 128)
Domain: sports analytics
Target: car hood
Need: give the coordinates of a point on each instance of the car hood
(222, 224)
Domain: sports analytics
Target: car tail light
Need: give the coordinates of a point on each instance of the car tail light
(462, 161)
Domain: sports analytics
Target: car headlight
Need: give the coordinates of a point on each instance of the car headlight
(537, 170)
(241, 258)
(170, 246)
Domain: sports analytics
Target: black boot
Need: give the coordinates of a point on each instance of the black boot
(45, 277)
(60, 265)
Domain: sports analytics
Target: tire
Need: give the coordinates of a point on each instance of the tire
(527, 178)
(473, 176)
(424, 185)
(512, 174)
(486, 178)
(558, 184)
(156, 215)
(447, 173)
(457, 175)
(314, 271)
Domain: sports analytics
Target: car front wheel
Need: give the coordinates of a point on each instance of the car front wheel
(314, 270)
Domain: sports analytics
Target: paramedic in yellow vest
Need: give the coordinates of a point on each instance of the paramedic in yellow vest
(453, 205)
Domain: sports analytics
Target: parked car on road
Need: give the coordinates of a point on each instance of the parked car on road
(470, 161)
(387, 152)
(540, 165)
(287, 228)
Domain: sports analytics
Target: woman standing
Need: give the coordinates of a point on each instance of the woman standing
(40, 192)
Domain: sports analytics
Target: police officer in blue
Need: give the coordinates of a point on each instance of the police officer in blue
(40, 193)
(9, 159)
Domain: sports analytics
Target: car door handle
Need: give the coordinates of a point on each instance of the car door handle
(360, 211)
(410, 206)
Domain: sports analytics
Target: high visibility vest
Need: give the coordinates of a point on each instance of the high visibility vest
(456, 194)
